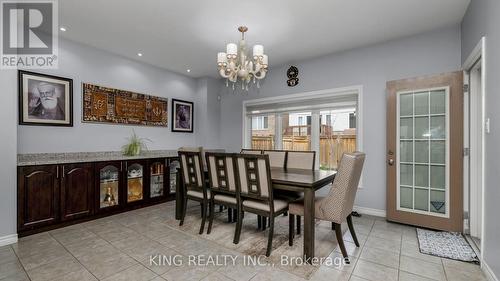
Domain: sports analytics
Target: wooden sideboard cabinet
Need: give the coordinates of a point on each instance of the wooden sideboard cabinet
(52, 196)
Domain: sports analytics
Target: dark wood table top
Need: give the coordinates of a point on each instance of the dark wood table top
(302, 178)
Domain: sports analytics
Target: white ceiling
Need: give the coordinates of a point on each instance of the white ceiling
(187, 34)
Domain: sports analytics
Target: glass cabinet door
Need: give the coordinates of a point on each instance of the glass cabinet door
(109, 182)
(423, 151)
(135, 182)
(174, 165)
(157, 179)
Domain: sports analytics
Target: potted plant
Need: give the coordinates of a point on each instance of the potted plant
(135, 145)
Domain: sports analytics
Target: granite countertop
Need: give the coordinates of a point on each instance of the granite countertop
(80, 157)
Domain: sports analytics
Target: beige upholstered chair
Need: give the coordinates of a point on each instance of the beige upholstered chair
(195, 149)
(255, 193)
(277, 158)
(337, 206)
(300, 160)
(222, 181)
(251, 151)
(194, 183)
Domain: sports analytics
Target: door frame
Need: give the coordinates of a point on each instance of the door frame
(478, 55)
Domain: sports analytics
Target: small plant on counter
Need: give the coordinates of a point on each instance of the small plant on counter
(135, 145)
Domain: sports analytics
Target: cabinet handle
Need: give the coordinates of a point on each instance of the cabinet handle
(63, 171)
(57, 172)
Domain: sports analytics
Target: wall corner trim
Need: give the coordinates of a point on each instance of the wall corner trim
(490, 275)
(371, 212)
(8, 239)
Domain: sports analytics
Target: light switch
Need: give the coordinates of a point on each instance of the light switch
(487, 125)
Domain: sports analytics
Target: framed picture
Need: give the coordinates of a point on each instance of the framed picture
(182, 116)
(45, 100)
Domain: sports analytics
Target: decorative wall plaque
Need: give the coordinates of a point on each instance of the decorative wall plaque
(293, 76)
(108, 105)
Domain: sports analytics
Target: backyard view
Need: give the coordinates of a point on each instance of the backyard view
(337, 133)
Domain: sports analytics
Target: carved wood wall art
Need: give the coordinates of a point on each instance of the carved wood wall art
(114, 106)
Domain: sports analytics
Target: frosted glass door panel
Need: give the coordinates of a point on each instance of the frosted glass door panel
(422, 155)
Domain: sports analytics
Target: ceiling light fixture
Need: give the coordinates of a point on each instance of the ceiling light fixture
(139, 54)
(188, 70)
(62, 28)
(234, 63)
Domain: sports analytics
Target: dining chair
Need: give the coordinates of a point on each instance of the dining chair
(255, 193)
(300, 160)
(222, 182)
(277, 158)
(195, 187)
(250, 151)
(337, 206)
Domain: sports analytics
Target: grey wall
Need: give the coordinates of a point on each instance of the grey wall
(87, 64)
(430, 53)
(8, 144)
(482, 19)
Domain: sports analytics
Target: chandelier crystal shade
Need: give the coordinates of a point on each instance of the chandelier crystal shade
(237, 67)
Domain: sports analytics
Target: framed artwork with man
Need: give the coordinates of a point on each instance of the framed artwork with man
(45, 100)
(182, 116)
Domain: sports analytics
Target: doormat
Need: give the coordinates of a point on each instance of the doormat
(451, 245)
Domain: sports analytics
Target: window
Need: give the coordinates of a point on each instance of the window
(352, 120)
(326, 121)
(260, 123)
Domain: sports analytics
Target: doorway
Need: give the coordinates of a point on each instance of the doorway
(475, 127)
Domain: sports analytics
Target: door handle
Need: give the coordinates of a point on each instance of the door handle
(390, 162)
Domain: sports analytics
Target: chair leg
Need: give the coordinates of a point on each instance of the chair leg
(285, 214)
(221, 208)
(333, 226)
(351, 229)
(203, 217)
(259, 222)
(264, 223)
(184, 210)
(201, 207)
(298, 225)
(340, 240)
(270, 239)
(237, 231)
(291, 229)
(211, 206)
(229, 215)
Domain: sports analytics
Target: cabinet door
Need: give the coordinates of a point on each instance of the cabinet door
(135, 180)
(158, 179)
(76, 191)
(108, 185)
(38, 196)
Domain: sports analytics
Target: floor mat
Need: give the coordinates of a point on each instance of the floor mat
(451, 245)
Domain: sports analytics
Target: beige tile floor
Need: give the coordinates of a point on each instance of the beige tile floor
(119, 248)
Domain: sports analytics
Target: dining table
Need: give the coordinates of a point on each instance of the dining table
(297, 180)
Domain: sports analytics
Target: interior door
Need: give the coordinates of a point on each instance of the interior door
(425, 151)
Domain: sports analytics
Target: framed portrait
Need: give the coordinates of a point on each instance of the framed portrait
(182, 116)
(45, 100)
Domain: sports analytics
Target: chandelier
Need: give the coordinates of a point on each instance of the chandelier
(235, 64)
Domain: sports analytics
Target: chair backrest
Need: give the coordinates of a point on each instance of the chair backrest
(340, 201)
(195, 149)
(192, 170)
(221, 172)
(254, 176)
(300, 160)
(250, 151)
(277, 158)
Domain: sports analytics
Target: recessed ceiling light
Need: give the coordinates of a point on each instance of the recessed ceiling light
(139, 54)
(62, 28)
(188, 70)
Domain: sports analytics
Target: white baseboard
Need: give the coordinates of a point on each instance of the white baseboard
(488, 272)
(370, 211)
(8, 239)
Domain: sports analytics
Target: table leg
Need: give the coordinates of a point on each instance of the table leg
(309, 223)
